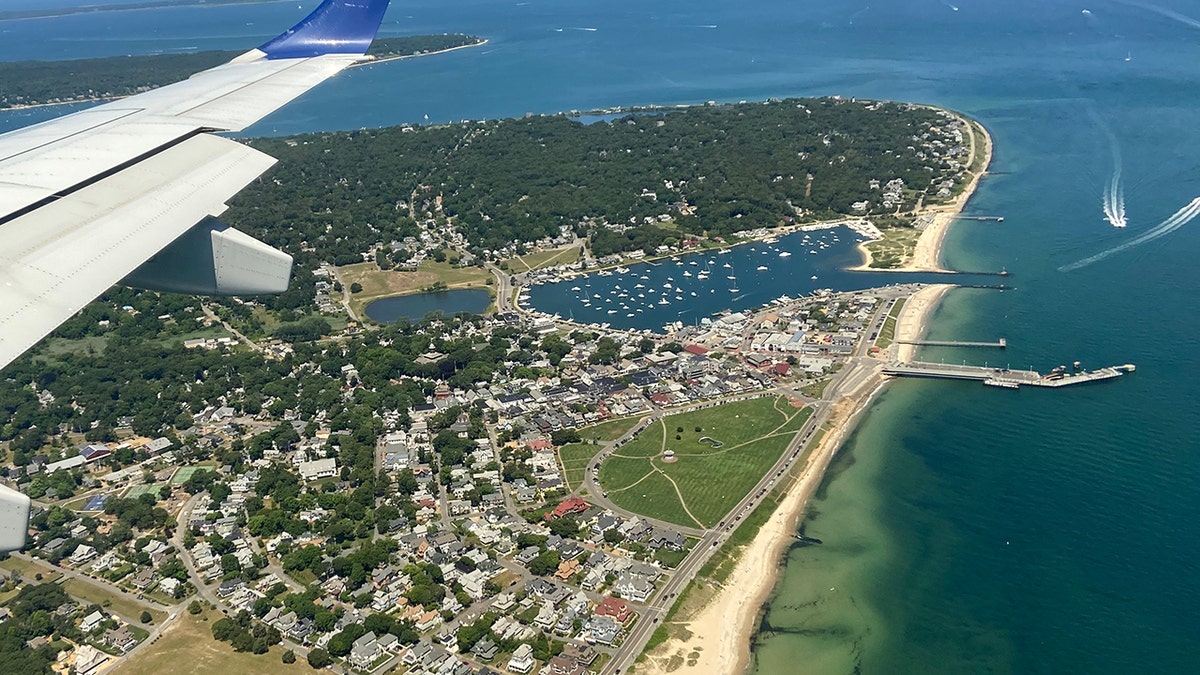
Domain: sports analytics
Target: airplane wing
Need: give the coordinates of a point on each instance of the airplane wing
(128, 191)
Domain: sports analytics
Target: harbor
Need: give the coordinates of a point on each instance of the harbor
(1006, 378)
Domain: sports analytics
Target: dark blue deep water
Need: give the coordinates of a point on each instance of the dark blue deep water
(966, 529)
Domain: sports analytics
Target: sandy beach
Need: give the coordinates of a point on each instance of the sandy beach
(914, 318)
(927, 255)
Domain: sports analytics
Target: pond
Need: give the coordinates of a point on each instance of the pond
(416, 306)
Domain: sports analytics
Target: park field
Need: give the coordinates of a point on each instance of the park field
(120, 604)
(741, 442)
(610, 430)
(548, 258)
(574, 458)
(188, 648)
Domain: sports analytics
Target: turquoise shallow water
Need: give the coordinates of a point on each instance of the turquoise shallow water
(967, 529)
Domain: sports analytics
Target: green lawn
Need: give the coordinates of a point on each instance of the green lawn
(652, 495)
(610, 430)
(753, 435)
(575, 458)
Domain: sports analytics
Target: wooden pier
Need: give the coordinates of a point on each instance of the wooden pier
(1004, 377)
(1002, 343)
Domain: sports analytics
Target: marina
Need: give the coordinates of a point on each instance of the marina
(690, 287)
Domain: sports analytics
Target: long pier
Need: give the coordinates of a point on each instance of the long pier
(1002, 343)
(1004, 377)
(995, 219)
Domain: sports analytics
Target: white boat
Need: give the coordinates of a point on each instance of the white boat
(693, 263)
(687, 274)
(693, 294)
(595, 295)
(576, 289)
(733, 290)
(622, 270)
(667, 285)
(663, 301)
(762, 268)
(785, 254)
(640, 286)
(727, 265)
(731, 277)
(612, 311)
(629, 314)
(813, 277)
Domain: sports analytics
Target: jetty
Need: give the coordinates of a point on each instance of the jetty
(994, 219)
(1005, 377)
(1002, 343)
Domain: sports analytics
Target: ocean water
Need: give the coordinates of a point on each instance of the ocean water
(966, 529)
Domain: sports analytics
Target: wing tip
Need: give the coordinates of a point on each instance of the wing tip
(334, 27)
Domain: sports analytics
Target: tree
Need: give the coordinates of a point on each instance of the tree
(319, 658)
(194, 608)
(356, 287)
(225, 629)
(289, 656)
(146, 618)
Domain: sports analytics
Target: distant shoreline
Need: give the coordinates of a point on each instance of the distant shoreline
(368, 62)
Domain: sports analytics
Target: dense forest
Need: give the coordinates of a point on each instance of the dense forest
(711, 170)
(38, 82)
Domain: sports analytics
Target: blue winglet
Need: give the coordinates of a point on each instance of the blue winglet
(335, 27)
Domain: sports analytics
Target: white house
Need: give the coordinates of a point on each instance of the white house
(318, 468)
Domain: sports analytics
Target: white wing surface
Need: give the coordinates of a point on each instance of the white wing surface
(87, 198)
(127, 191)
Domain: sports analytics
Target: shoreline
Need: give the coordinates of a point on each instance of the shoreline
(726, 625)
(927, 254)
(728, 622)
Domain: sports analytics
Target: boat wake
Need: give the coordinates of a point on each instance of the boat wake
(1177, 220)
(1161, 11)
(1114, 199)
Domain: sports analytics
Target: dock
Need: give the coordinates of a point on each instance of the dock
(1004, 377)
(994, 219)
(1002, 343)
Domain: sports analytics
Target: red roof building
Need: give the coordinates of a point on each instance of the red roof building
(566, 507)
(616, 608)
(695, 349)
